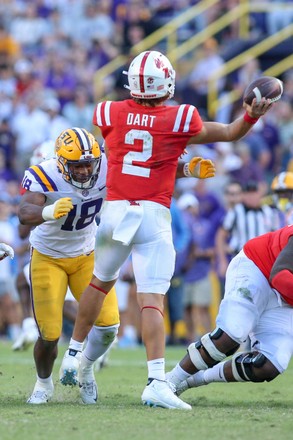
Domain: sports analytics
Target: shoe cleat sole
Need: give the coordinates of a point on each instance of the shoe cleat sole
(69, 378)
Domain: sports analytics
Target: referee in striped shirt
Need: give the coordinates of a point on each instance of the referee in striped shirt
(244, 221)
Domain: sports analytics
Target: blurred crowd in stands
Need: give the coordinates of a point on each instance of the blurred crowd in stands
(50, 51)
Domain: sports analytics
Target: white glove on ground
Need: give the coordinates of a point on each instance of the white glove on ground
(6, 251)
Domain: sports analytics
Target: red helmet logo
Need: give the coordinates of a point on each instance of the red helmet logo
(159, 63)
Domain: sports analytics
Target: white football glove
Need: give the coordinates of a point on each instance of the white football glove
(58, 209)
(6, 251)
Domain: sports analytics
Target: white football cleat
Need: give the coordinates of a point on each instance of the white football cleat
(68, 373)
(87, 384)
(41, 395)
(179, 387)
(28, 336)
(25, 339)
(160, 393)
(88, 392)
(20, 344)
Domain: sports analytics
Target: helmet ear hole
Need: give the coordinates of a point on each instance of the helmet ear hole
(63, 168)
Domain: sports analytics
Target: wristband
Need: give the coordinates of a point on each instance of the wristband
(186, 171)
(48, 212)
(249, 119)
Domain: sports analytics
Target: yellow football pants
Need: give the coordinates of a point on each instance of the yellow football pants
(50, 278)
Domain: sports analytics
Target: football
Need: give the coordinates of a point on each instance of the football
(264, 87)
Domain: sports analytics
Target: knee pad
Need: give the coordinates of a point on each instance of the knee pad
(243, 365)
(217, 333)
(208, 346)
(108, 334)
(99, 341)
(104, 335)
(196, 357)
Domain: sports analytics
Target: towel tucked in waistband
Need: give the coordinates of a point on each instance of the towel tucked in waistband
(129, 224)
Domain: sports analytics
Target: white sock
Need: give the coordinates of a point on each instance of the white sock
(156, 369)
(75, 345)
(28, 323)
(45, 383)
(86, 370)
(197, 379)
(177, 375)
(215, 374)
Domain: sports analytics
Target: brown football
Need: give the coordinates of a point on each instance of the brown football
(264, 87)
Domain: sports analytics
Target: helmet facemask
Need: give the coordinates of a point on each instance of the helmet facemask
(283, 200)
(84, 182)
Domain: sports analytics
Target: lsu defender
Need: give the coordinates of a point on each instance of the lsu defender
(282, 189)
(62, 198)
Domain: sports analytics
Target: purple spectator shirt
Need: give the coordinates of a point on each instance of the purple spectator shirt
(202, 235)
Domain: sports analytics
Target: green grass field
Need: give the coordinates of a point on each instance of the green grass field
(220, 411)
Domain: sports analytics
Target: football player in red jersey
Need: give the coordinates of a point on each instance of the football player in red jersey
(144, 138)
(259, 293)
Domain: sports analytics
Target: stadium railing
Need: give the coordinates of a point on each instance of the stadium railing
(176, 51)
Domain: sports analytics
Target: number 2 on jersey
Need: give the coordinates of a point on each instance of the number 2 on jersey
(138, 156)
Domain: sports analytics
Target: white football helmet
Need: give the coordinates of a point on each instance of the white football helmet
(151, 76)
(43, 152)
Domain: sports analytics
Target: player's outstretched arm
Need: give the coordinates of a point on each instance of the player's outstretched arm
(258, 98)
(217, 132)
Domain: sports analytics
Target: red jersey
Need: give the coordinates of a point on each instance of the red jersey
(264, 250)
(144, 144)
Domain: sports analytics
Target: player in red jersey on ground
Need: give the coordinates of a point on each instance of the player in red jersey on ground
(258, 303)
(144, 138)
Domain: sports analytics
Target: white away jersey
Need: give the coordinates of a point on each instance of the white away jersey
(74, 234)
